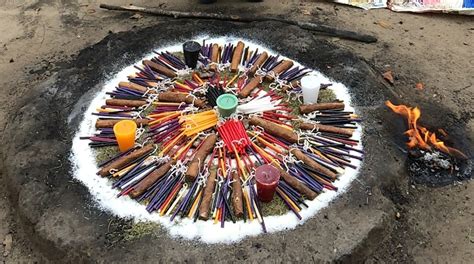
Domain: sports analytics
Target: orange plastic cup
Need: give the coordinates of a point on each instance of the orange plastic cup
(125, 131)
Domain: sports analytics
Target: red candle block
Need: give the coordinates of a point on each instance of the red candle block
(267, 178)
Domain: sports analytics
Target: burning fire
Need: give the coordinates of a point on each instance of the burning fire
(419, 136)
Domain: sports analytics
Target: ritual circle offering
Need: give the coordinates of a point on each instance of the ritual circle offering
(198, 147)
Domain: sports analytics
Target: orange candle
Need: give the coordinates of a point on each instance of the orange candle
(125, 134)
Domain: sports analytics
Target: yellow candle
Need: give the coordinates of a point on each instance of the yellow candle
(232, 80)
(239, 164)
(194, 207)
(182, 85)
(247, 203)
(125, 134)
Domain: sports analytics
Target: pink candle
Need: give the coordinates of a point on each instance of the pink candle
(267, 178)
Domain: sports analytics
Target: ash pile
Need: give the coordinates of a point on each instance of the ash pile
(435, 168)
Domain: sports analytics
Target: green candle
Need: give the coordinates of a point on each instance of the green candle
(226, 104)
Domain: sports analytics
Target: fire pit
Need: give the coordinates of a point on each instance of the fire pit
(431, 162)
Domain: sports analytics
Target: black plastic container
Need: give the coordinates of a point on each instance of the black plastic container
(191, 51)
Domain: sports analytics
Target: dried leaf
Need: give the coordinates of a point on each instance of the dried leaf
(7, 242)
(388, 76)
(306, 12)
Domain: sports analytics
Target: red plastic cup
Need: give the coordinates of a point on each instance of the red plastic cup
(267, 178)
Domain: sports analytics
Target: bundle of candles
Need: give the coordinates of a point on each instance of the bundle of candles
(195, 123)
(212, 94)
(195, 161)
(234, 135)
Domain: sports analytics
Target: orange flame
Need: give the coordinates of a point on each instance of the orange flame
(419, 136)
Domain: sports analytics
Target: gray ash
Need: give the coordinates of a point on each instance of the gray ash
(434, 168)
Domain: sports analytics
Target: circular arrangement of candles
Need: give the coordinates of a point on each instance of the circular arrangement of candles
(216, 138)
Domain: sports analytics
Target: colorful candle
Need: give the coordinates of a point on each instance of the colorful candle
(125, 134)
(267, 178)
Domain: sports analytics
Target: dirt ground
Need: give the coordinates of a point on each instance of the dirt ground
(433, 225)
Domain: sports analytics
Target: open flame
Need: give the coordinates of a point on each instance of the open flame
(419, 136)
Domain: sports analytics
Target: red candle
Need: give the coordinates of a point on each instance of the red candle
(267, 178)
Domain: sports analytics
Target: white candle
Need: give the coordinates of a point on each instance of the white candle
(310, 85)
